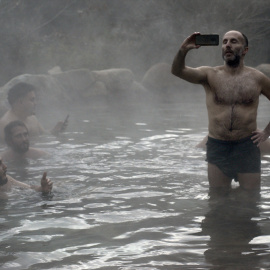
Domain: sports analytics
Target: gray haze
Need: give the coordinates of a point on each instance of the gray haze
(37, 35)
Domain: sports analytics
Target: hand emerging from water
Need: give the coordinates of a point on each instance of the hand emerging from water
(189, 42)
(60, 127)
(45, 184)
(259, 136)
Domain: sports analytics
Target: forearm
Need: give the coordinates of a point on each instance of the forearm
(178, 64)
(36, 188)
(23, 185)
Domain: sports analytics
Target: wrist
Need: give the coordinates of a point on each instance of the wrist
(267, 129)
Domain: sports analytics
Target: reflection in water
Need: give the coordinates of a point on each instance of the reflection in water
(131, 192)
(231, 223)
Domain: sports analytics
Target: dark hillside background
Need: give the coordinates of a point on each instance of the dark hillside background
(37, 35)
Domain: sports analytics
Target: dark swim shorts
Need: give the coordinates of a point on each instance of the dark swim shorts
(233, 157)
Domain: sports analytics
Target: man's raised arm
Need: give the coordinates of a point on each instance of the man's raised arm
(179, 68)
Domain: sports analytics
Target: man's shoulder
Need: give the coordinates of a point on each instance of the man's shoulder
(7, 117)
(212, 69)
(6, 155)
(255, 71)
(256, 74)
(35, 153)
(32, 118)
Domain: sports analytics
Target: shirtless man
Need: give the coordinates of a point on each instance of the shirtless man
(6, 181)
(17, 139)
(232, 98)
(22, 99)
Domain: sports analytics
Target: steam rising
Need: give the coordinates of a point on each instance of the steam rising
(37, 35)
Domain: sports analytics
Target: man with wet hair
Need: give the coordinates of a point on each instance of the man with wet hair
(232, 98)
(6, 181)
(17, 139)
(22, 99)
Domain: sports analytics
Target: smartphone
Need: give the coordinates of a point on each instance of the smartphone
(66, 120)
(207, 40)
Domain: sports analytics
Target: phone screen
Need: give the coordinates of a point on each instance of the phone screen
(207, 40)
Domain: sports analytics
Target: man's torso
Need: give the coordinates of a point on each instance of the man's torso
(232, 103)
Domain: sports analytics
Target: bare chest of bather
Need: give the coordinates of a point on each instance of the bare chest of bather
(234, 90)
(232, 103)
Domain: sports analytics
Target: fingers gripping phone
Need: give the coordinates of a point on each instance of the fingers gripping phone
(66, 120)
(207, 40)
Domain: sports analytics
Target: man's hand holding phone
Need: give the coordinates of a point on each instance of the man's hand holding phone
(60, 126)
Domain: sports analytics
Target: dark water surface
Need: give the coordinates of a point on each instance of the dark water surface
(131, 192)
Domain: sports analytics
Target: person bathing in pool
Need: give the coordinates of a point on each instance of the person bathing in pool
(17, 140)
(232, 99)
(22, 100)
(6, 181)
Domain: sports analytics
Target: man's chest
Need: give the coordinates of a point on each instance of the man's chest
(230, 90)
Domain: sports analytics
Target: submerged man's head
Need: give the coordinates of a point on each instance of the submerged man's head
(17, 137)
(23, 95)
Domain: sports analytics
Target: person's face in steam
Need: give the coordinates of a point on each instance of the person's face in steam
(233, 48)
(3, 173)
(19, 140)
(28, 102)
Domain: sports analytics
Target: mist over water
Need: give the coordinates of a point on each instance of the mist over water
(38, 35)
(130, 187)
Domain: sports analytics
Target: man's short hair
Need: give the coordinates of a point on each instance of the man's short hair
(245, 38)
(8, 130)
(19, 90)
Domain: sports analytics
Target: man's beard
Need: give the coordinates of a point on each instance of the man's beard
(21, 149)
(3, 180)
(235, 62)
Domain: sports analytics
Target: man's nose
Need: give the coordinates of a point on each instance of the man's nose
(25, 137)
(228, 44)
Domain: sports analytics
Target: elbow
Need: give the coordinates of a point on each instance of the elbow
(175, 71)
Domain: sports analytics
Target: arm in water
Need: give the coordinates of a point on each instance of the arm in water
(45, 184)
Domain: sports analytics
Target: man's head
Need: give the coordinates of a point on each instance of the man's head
(17, 137)
(23, 95)
(234, 48)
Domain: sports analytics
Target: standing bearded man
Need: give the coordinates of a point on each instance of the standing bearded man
(232, 99)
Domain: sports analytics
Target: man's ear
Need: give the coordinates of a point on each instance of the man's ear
(245, 51)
